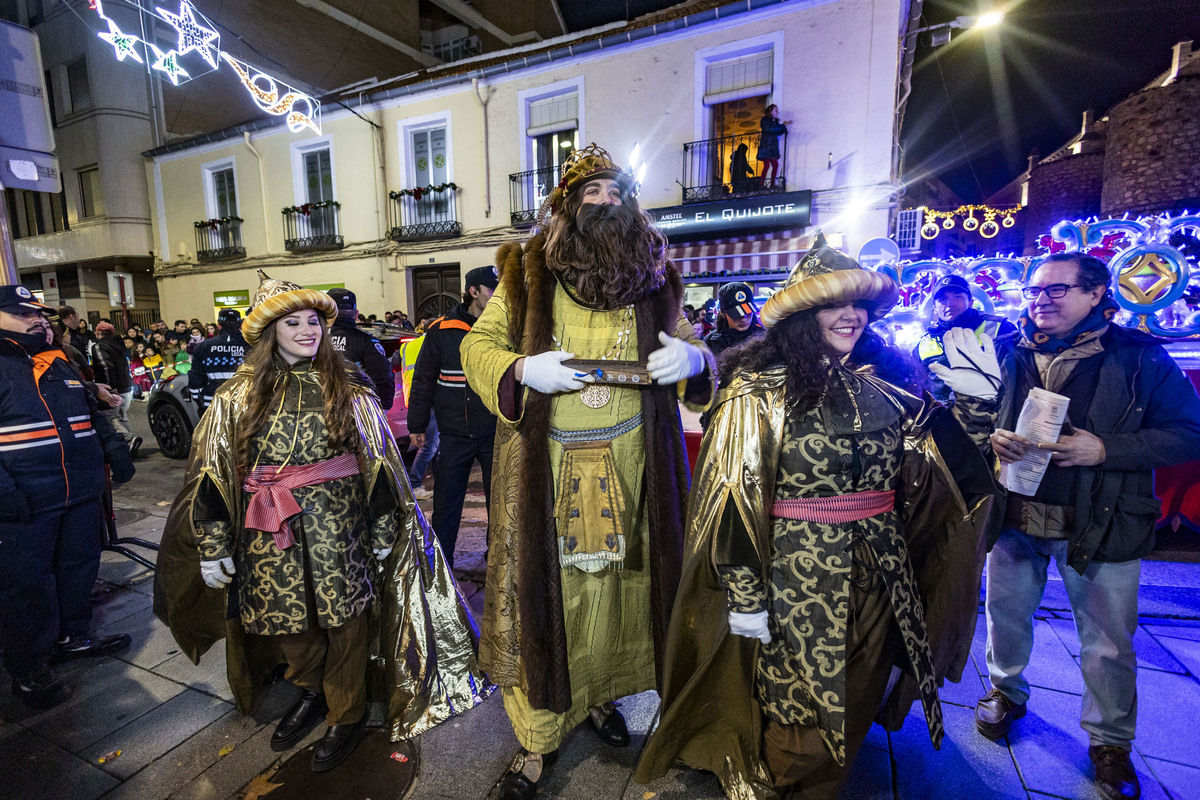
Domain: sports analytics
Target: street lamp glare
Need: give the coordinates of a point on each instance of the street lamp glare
(990, 19)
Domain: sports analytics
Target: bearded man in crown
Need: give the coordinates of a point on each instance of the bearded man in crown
(583, 355)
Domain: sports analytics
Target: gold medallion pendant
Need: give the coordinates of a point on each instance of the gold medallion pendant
(595, 395)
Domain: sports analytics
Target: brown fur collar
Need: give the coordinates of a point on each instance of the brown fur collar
(530, 288)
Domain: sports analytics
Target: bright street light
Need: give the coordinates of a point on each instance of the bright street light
(940, 34)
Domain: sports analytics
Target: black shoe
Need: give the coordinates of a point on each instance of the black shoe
(134, 444)
(73, 647)
(41, 689)
(297, 723)
(612, 731)
(995, 714)
(1115, 777)
(339, 742)
(517, 784)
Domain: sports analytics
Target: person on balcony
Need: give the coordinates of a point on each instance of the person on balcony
(830, 540)
(295, 489)
(768, 145)
(740, 173)
(590, 482)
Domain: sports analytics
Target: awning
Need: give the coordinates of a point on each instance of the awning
(764, 252)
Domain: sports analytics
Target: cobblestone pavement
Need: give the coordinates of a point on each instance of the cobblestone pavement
(179, 736)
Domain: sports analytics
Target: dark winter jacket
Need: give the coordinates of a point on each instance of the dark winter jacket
(363, 349)
(213, 362)
(725, 337)
(110, 364)
(53, 441)
(1149, 417)
(768, 144)
(439, 383)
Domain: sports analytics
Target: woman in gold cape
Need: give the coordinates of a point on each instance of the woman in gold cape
(837, 604)
(422, 637)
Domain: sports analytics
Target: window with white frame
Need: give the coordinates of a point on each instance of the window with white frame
(220, 189)
(908, 229)
(551, 121)
(313, 181)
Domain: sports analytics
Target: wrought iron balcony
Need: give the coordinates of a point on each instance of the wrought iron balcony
(711, 171)
(430, 212)
(312, 226)
(528, 190)
(219, 239)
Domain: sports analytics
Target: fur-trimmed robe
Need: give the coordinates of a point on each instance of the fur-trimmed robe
(524, 640)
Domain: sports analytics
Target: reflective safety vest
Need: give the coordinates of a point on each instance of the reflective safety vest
(408, 361)
(929, 348)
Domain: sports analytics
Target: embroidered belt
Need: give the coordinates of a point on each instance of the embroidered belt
(273, 504)
(596, 434)
(836, 509)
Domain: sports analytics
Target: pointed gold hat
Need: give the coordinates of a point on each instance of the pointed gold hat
(826, 276)
(276, 298)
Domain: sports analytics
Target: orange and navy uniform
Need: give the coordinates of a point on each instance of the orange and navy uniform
(439, 384)
(52, 438)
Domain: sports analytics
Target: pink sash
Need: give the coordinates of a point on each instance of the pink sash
(273, 504)
(836, 509)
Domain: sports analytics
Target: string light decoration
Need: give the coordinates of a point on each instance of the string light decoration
(270, 100)
(988, 229)
(123, 44)
(167, 63)
(192, 35)
(197, 34)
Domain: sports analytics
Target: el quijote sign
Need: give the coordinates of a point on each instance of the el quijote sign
(736, 216)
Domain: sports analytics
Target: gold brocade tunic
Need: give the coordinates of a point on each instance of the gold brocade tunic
(423, 663)
(333, 534)
(719, 686)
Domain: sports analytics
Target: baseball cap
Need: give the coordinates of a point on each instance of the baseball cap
(736, 299)
(344, 298)
(16, 299)
(483, 276)
(229, 316)
(953, 283)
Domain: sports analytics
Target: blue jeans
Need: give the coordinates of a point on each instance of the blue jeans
(1104, 602)
(416, 475)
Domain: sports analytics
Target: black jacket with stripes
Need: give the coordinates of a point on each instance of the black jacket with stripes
(439, 384)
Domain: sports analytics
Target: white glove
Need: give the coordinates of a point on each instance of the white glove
(217, 573)
(973, 370)
(545, 373)
(752, 626)
(381, 552)
(675, 361)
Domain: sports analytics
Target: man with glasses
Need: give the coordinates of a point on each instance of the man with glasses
(1132, 409)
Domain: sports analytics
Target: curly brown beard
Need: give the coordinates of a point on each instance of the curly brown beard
(612, 256)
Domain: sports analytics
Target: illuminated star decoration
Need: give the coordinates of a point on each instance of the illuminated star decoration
(168, 63)
(122, 43)
(192, 35)
(267, 97)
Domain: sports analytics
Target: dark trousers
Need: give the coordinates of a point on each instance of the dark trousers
(47, 569)
(800, 763)
(450, 487)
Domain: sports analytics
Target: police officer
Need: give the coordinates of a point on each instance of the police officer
(53, 445)
(466, 428)
(952, 309)
(361, 348)
(215, 360)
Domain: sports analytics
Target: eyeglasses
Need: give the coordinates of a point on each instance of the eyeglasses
(1053, 291)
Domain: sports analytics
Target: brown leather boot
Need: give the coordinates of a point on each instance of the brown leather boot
(995, 713)
(1115, 777)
